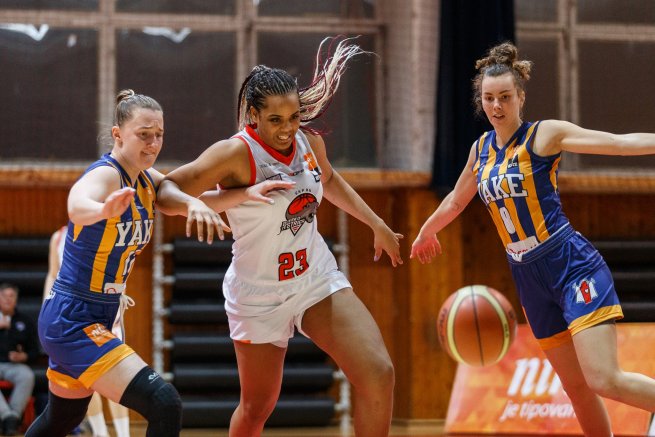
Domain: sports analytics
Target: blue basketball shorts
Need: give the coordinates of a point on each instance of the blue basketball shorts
(75, 331)
(564, 286)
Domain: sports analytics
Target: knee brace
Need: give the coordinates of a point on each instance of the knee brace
(156, 400)
(59, 417)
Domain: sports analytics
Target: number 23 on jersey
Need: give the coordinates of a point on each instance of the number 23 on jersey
(292, 265)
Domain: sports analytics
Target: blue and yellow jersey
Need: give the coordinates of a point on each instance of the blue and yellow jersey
(99, 257)
(519, 189)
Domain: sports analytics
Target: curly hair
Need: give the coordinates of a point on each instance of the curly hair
(501, 59)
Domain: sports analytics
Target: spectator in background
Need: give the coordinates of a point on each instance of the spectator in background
(18, 346)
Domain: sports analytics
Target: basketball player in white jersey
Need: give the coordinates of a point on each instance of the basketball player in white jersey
(283, 275)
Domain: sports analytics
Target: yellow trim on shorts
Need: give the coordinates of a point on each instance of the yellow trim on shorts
(105, 363)
(63, 380)
(554, 340)
(613, 312)
(95, 371)
(601, 315)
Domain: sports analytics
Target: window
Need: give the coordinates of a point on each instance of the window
(80, 5)
(347, 127)
(323, 8)
(593, 66)
(225, 7)
(190, 55)
(199, 99)
(50, 98)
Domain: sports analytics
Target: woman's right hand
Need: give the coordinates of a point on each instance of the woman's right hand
(425, 247)
(117, 202)
(203, 215)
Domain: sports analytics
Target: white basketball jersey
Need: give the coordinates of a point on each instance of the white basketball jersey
(280, 242)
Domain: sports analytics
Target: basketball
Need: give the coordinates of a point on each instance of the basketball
(476, 325)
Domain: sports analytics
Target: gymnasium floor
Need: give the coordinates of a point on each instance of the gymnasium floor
(397, 431)
(427, 430)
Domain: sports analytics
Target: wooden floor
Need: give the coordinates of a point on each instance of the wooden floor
(397, 431)
(419, 430)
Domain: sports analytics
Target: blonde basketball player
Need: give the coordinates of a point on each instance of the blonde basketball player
(111, 210)
(94, 414)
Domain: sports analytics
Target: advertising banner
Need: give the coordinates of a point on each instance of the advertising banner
(521, 394)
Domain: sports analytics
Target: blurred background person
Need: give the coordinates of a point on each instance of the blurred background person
(18, 347)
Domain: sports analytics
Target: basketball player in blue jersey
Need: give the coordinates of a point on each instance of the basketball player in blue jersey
(564, 285)
(282, 274)
(94, 415)
(111, 210)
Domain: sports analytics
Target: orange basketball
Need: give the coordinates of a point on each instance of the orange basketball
(476, 325)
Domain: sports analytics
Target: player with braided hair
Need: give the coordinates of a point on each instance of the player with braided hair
(282, 273)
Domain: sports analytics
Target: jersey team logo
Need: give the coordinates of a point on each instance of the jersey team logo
(301, 210)
(313, 166)
(585, 292)
(514, 160)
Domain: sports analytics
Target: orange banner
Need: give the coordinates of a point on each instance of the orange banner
(521, 394)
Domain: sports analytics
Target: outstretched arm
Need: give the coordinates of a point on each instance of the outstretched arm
(177, 202)
(553, 136)
(342, 195)
(178, 192)
(98, 196)
(427, 246)
(226, 162)
(221, 199)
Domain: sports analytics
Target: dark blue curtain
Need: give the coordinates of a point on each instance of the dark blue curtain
(469, 28)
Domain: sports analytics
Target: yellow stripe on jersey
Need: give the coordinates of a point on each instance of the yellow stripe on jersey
(76, 231)
(120, 272)
(490, 160)
(553, 172)
(509, 204)
(102, 256)
(495, 215)
(532, 201)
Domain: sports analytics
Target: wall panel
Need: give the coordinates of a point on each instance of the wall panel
(405, 300)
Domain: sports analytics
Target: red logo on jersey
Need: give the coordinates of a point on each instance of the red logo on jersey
(301, 209)
(585, 292)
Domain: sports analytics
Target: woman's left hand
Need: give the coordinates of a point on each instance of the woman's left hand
(389, 241)
(258, 192)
